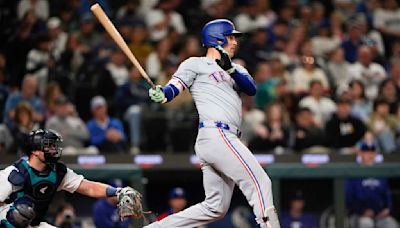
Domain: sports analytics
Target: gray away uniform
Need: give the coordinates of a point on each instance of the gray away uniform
(225, 160)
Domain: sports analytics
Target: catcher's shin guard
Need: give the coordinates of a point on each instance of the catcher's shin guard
(270, 218)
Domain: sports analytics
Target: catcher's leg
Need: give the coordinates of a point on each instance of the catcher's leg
(218, 189)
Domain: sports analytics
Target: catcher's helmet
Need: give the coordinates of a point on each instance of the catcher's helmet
(48, 141)
(214, 32)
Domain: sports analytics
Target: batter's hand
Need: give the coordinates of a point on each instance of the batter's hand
(157, 94)
(225, 62)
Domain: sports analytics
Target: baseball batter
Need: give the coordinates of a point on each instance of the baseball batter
(215, 84)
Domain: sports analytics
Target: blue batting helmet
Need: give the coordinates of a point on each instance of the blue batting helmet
(216, 31)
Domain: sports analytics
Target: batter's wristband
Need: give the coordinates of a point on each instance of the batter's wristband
(111, 191)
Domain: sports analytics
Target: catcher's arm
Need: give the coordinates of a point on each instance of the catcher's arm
(93, 189)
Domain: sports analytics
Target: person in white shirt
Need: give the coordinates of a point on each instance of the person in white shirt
(164, 17)
(28, 186)
(321, 107)
(58, 38)
(40, 7)
(369, 72)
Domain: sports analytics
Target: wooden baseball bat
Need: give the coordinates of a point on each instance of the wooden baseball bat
(116, 36)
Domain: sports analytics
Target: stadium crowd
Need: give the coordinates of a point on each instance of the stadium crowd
(327, 72)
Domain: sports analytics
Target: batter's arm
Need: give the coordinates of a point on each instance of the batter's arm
(244, 81)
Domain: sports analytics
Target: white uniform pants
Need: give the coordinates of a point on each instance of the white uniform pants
(226, 162)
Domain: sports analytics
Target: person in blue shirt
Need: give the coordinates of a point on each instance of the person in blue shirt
(106, 133)
(369, 199)
(105, 211)
(296, 217)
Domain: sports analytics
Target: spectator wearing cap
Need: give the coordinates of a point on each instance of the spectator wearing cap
(371, 73)
(129, 101)
(296, 216)
(176, 201)
(106, 133)
(58, 38)
(27, 94)
(163, 18)
(105, 211)
(322, 107)
(369, 199)
(383, 125)
(343, 130)
(69, 125)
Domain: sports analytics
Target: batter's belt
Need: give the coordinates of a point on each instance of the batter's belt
(219, 124)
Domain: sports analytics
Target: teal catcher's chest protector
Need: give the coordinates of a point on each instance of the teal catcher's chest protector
(40, 187)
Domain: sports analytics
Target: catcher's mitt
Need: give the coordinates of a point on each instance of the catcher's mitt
(129, 203)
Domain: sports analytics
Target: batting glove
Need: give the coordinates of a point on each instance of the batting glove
(157, 94)
(225, 62)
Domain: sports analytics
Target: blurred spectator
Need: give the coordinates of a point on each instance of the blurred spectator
(28, 94)
(138, 42)
(265, 85)
(190, 48)
(65, 217)
(4, 89)
(252, 119)
(387, 90)
(39, 61)
(256, 15)
(384, 19)
(86, 4)
(6, 140)
(105, 211)
(369, 72)
(24, 124)
(296, 217)
(302, 76)
(395, 75)
(87, 35)
(118, 71)
(368, 9)
(69, 125)
(129, 10)
(176, 202)
(274, 133)
(256, 50)
(163, 18)
(338, 69)
(39, 7)
(307, 134)
(58, 38)
(345, 8)
(52, 91)
(321, 107)
(291, 103)
(129, 101)
(69, 17)
(369, 199)
(106, 133)
(395, 57)
(383, 125)
(323, 42)
(73, 57)
(157, 57)
(343, 131)
(361, 107)
(353, 41)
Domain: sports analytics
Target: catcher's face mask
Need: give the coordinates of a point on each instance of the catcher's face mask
(52, 150)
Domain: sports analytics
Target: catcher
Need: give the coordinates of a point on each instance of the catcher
(28, 186)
